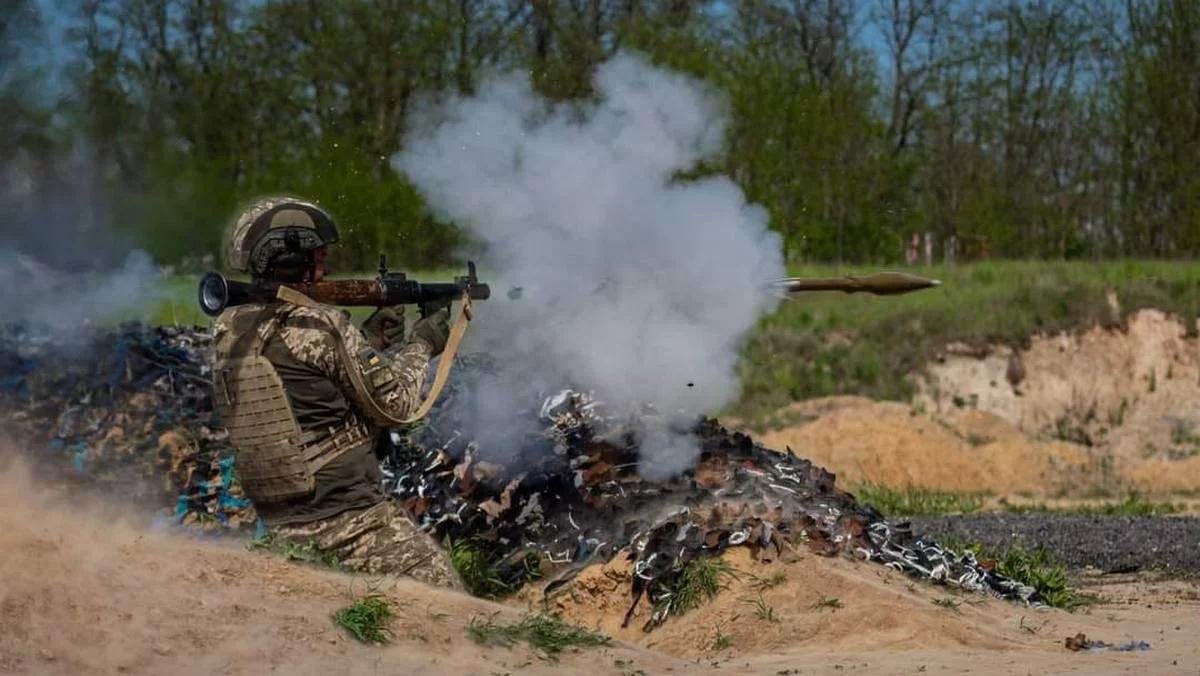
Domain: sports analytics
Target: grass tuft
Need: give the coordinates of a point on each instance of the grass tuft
(761, 584)
(367, 619)
(948, 602)
(1036, 568)
(478, 569)
(762, 610)
(699, 582)
(918, 501)
(484, 575)
(544, 632)
(831, 602)
(305, 551)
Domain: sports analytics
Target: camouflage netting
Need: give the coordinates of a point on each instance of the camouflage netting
(130, 408)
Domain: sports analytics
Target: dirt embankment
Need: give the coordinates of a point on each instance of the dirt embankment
(88, 590)
(1094, 413)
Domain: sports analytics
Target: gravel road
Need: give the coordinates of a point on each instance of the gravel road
(1107, 543)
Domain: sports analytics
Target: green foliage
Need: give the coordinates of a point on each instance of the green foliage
(367, 619)
(917, 501)
(699, 582)
(1133, 505)
(485, 575)
(1054, 129)
(305, 551)
(1036, 568)
(545, 632)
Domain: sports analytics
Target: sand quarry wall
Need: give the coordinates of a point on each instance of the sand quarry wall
(1095, 412)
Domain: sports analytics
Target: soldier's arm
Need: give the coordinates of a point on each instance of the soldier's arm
(392, 377)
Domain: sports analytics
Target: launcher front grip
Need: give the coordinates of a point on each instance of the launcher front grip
(217, 293)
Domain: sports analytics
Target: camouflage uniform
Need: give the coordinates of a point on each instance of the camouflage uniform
(312, 347)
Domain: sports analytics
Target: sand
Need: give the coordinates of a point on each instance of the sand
(87, 589)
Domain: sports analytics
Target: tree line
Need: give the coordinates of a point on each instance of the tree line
(1010, 128)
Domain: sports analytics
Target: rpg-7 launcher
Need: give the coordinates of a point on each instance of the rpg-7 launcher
(388, 289)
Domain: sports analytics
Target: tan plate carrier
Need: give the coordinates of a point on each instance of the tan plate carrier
(276, 460)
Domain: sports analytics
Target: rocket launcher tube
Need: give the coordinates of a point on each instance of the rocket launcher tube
(217, 293)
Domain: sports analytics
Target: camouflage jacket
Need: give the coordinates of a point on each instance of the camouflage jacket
(304, 350)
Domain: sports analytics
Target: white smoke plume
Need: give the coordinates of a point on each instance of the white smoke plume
(67, 302)
(634, 284)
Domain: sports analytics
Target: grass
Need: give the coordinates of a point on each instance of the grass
(544, 632)
(482, 573)
(948, 602)
(761, 584)
(1036, 568)
(366, 619)
(762, 611)
(305, 551)
(700, 581)
(831, 343)
(917, 501)
(721, 640)
(1133, 505)
(831, 602)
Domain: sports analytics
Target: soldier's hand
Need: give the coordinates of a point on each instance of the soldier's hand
(433, 330)
(433, 306)
(384, 327)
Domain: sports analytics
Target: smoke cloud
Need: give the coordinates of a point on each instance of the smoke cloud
(624, 279)
(62, 267)
(65, 302)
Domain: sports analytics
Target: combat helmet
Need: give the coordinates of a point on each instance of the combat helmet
(273, 227)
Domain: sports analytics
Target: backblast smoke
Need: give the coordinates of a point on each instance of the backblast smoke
(626, 279)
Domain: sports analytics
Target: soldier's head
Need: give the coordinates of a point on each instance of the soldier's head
(281, 239)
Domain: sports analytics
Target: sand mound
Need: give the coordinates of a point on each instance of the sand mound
(884, 442)
(87, 591)
(1131, 391)
(1097, 413)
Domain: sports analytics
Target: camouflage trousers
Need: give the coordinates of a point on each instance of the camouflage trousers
(380, 541)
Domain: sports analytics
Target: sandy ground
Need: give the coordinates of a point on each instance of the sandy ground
(1094, 414)
(87, 590)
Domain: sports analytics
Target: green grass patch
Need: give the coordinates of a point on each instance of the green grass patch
(1133, 505)
(822, 344)
(917, 501)
(699, 582)
(305, 551)
(366, 619)
(548, 633)
(1036, 568)
(484, 575)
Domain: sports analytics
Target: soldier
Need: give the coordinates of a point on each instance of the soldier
(303, 423)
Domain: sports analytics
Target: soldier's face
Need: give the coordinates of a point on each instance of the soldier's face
(320, 268)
